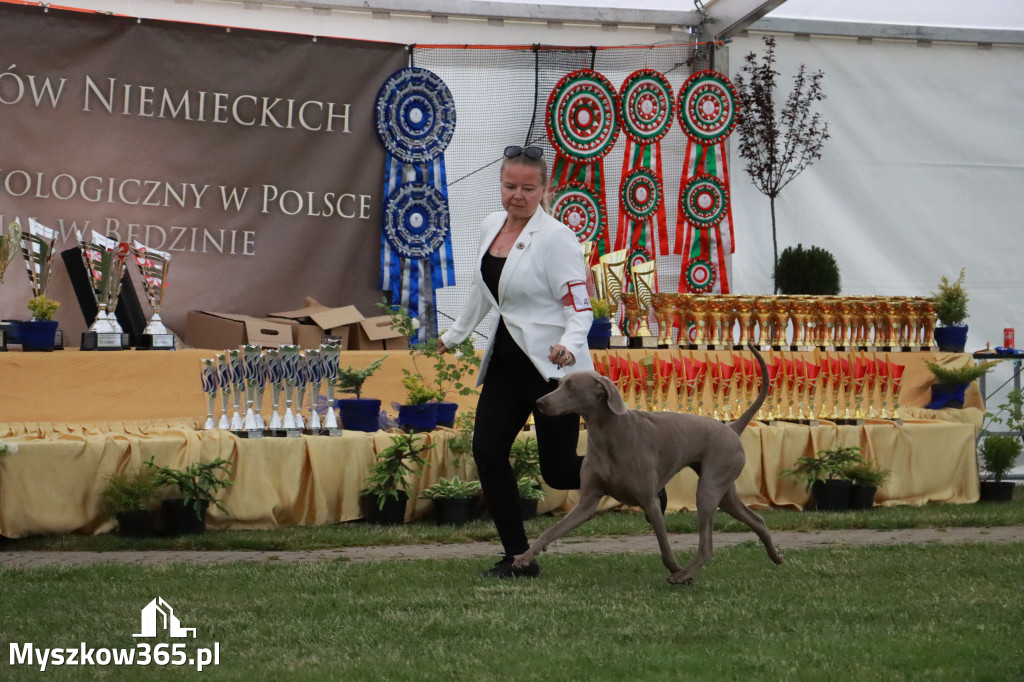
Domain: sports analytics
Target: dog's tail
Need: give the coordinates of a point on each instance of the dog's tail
(745, 418)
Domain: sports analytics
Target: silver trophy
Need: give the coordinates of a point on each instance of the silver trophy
(10, 244)
(251, 367)
(290, 373)
(153, 266)
(329, 356)
(210, 379)
(237, 362)
(275, 377)
(261, 387)
(104, 261)
(224, 376)
(314, 375)
(301, 381)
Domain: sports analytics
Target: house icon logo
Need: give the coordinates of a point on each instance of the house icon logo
(158, 614)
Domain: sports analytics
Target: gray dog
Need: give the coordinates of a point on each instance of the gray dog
(632, 454)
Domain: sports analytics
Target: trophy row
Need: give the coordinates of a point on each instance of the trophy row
(723, 321)
(844, 388)
(241, 376)
(105, 262)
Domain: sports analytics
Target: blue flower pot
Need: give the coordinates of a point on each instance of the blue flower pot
(37, 335)
(412, 418)
(359, 414)
(951, 339)
(600, 335)
(947, 395)
(446, 414)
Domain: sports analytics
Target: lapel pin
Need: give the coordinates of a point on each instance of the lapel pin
(520, 246)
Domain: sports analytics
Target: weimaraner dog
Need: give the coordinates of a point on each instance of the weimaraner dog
(632, 454)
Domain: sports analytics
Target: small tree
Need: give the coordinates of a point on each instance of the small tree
(777, 145)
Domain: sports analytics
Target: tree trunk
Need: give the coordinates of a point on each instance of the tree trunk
(775, 244)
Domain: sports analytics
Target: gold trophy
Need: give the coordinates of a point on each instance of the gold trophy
(614, 270)
(926, 319)
(104, 261)
(644, 277)
(847, 323)
(153, 266)
(743, 306)
(664, 314)
(685, 315)
(763, 311)
(10, 244)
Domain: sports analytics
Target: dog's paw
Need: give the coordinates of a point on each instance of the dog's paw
(680, 578)
(520, 561)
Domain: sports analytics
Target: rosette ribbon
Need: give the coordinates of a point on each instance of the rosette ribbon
(645, 114)
(415, 118)
(582, 127)
(706, 108)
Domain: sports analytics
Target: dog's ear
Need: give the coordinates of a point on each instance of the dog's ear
(612, 396)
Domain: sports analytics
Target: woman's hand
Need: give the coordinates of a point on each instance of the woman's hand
(561, 356)
(441, 348)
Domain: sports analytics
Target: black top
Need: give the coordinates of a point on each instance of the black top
(490, 270)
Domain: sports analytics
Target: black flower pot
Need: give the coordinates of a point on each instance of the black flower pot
(140, 523)
(951, 339)
(996, 492)
(391, 514)
(453, 512)
(831, 495)
(862, 497)
(178, 519)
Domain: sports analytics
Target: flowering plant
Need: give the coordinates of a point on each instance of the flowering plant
(7, 448)
(449, 374)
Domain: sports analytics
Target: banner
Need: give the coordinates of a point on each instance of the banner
(252, 157)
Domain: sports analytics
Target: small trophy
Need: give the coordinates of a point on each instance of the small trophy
(644, 283)
(614, 264)
(290, 428)
(153, 266)
(9, 246)
(261, 387)
(329, 356)
(251, 357)
(236, 361)
(275, 377)
(315, 377)
(225, 379)
(210, 382)
(104, 261)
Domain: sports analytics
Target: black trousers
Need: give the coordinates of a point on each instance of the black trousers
(509, 394)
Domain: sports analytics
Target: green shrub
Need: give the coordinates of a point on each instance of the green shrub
(998, 453)
(950, 301)
(807, 272)
(955, 376)
(825, 465)
(127, 492)
(451, 489)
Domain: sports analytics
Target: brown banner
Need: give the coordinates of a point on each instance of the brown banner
(250, 156)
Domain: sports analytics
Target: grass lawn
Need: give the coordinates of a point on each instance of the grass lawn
(358, 534)
(844, 613)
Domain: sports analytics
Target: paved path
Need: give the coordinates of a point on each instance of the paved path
(683, 542)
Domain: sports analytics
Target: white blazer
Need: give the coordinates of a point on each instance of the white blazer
(536, 277)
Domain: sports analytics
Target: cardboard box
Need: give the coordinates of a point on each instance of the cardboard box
(311, 323)
(223, 331)
(376, 333)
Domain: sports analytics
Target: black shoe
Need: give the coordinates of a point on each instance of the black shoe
(504, 569)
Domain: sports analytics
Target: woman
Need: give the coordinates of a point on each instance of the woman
(532, 271)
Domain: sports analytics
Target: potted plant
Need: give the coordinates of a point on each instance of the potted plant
(451, 373)
(526, 468)
(823, 473)
(386, 484)
(132, 498)
(39, 333)
(950, 303)
(358, 414)
(600, 335)
(998, 453)
(951, 382)
(867, 478)
(453, 499)
(197, 484)
(810, 272)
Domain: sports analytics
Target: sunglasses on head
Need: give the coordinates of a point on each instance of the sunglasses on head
(515, 150)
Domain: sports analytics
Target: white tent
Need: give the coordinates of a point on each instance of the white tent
(924, 170)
